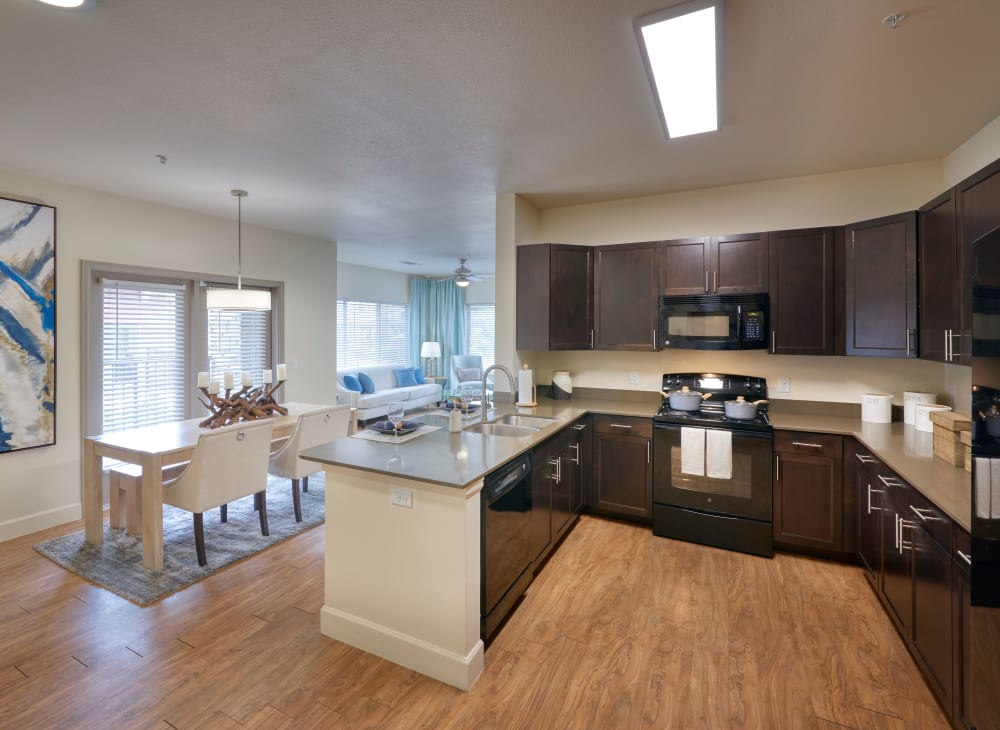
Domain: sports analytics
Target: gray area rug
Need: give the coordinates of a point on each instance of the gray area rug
(117, 564)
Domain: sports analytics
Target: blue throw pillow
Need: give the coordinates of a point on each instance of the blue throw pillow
(367, 384)
(418, 375)
(351, 382)
(405, 377)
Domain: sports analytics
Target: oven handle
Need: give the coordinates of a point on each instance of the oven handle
(766, 435)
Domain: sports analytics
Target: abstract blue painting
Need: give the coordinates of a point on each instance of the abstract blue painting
(27, 325)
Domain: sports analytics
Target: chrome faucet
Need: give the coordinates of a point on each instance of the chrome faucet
(486, 372)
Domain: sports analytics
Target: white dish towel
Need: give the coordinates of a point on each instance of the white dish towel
(693, 451)
(719, 454)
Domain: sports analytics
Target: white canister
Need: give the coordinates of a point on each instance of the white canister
(910, 399)
(876, 407)
(922, 415)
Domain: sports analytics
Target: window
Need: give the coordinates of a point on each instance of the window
(480, 323)
(371, 333)
(143, 353)
(238, 341)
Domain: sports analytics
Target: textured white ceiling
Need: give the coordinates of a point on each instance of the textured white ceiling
(390, 126)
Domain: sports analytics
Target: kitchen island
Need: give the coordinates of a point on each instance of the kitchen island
(403, 536)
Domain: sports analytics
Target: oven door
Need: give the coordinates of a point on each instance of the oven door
(747, 494)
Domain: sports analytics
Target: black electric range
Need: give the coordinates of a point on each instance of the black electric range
(712, 413)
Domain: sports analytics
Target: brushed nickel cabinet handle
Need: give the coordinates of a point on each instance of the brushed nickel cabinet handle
(715, 281)
(580, 427)
(591, 339)
(648, 455)
(620, 425)
(865, 459)
(706, 282)
(773, 346)
(806, 445)
(964, 557)
(947, 345)
(777, 468)
(870, 492)
(890, 481)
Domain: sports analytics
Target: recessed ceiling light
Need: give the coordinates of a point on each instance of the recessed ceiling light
(893, 21)
(681, 47)
(70, 4)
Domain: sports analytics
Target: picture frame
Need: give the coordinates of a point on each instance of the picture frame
(27, 325)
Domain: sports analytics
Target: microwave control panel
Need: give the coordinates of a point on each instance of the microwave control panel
(753, 326)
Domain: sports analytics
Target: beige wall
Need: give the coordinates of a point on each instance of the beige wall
(819, 200)
(41, 487)
(974, 154)
(366, 284)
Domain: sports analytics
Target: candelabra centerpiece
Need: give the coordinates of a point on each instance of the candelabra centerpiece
(229, 405)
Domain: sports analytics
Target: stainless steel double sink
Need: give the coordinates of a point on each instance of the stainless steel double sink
(513, 425)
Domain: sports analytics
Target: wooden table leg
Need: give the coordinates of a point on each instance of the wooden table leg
(152, 511)
(93, 502)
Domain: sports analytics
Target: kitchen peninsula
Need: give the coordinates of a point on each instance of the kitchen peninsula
(402, 577)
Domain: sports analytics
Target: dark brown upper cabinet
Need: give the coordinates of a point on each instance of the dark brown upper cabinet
(978, 213)
(880, 287)
(626, 282)
(735, 264)
(945, 295)
(802, 292)
(555, 297)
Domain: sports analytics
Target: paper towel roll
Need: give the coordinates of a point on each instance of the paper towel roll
(524, 378)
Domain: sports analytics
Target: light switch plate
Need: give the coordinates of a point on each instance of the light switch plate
(784, 385)
(401, 497)
(633, 377)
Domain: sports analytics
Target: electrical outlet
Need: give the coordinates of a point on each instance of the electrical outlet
(401, 497)
(784, 385)
(633, 378)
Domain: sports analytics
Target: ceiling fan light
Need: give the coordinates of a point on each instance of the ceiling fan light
(69, 4)
(462, 281)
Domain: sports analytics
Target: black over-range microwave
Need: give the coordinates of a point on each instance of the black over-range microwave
(714, 322)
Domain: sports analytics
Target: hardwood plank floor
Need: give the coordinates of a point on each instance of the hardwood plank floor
(620, 630)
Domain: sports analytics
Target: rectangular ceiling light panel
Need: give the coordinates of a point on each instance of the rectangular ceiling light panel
(680, 47)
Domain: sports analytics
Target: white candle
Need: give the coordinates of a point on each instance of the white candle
(202, 380)
(227, 380)
(247, 380)
(282, 372)
(213, 387)
(266, 377)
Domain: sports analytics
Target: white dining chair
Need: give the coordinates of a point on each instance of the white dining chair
(228, 463)
(311, 429)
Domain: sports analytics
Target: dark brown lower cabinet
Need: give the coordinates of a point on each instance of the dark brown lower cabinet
(543, 469)
(808, 490)
(896, 583)
(623, 469)
(579, 465)
(869, 515)
(961, 613)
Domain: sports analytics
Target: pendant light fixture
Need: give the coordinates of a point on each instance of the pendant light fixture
(239, 298)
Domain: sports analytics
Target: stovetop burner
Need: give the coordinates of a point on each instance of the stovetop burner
(713, 410)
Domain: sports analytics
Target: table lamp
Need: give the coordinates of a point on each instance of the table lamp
(430, 351)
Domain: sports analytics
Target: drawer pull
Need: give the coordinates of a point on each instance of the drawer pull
(964, 557)
(620, 425)
(865, 459)
(580, 427)
(923, 518)
(870, 492)
(806, 445)
(890, 481)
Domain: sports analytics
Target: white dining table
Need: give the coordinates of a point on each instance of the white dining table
(153, 448)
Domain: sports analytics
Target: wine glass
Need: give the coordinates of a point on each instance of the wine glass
(395, 415)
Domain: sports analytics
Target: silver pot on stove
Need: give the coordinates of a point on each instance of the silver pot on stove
(685, 399)
(742, 409)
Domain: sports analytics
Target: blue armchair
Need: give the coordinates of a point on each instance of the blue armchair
(466, 372)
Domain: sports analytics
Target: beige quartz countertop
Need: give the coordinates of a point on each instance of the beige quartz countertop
(460, 459)
(905, 450)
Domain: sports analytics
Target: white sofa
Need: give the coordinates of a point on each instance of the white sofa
(373, 405)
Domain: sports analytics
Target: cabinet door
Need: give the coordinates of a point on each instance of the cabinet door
(562, 487)
(896, 582)
(541, 506)
(576, 466)
(870, 494)
(684, 265)
(961, 621)
(623, 475)
(932, 603)
(802, 298)
(739, 264)
(571, 298)
(808, 498)
(941, 284)
(555, 297)
(626, 283)
(881, 287)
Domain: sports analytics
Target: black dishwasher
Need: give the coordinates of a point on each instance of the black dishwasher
(505, 541)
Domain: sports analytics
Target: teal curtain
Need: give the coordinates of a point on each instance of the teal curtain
(437, 314)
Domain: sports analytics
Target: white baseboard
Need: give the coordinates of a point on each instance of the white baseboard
(454, 669)
(40, 521)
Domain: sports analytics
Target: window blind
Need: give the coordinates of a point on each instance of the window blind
(480, 325)
(238, 341)
(143, 354)
(371, 333)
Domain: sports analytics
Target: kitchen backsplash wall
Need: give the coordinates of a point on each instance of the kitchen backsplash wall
(834, 379)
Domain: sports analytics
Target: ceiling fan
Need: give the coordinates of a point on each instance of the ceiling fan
(463, 274)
